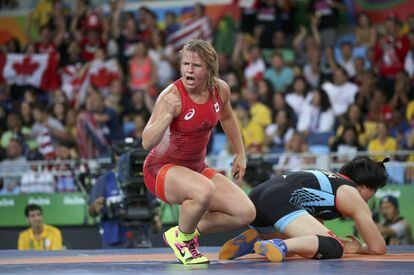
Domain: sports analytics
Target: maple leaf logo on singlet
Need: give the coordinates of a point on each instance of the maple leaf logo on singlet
(216, 107)
(26, 67)
(204, 125)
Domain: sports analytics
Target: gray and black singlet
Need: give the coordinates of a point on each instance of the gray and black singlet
(281, 199)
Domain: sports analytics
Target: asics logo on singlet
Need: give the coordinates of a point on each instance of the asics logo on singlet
(189, 115)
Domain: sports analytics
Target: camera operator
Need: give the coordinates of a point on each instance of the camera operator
(112, 231)
(117, 196)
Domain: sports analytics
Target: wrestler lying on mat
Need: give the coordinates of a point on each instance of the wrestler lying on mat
(291, 209)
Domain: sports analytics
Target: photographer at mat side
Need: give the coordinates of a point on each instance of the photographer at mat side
(113, 232)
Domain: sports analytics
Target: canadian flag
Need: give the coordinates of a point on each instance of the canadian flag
(38, 70)
(103, 72)
(76, 80)
(73, 78)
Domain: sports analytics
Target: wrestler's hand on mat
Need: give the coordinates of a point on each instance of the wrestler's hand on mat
(239, 167)
(351, 245)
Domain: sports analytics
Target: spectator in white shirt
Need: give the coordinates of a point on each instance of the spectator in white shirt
(37, 180)
(12, 167)
(409, 58)
(296, 98)
(317, 116)
(255, 65)
(341, 92)
(163, 58)
(279, 132)
(346, 59)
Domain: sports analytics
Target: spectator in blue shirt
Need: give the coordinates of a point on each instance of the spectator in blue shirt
(279, 75)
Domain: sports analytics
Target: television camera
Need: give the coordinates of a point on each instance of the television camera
(135, 206)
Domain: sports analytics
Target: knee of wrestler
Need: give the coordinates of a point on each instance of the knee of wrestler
(245, 212)
(328, 248)
(205, 193)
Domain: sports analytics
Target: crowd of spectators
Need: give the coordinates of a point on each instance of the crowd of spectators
(295, 87)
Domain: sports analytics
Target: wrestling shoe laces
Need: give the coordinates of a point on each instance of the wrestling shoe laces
(192, 246)
(185, 251)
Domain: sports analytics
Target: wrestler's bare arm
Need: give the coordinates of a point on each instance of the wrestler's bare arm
(167, 107)
(351, 204)
(228, 122)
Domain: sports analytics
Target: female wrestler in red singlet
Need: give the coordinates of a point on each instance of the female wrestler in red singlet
(178, 132)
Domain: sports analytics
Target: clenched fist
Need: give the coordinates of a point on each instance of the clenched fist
(172, 103)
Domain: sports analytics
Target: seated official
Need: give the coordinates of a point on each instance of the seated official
(39, 236)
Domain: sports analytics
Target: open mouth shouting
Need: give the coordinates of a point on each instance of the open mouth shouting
(190, 80)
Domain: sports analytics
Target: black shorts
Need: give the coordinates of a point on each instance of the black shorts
(273, 209)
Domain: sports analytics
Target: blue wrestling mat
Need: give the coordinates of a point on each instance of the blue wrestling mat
(399, 260)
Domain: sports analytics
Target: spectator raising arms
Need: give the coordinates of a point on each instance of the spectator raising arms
(341, 92)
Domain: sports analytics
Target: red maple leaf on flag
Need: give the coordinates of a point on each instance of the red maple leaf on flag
(26, 67)
(75, 83)
(103, 77)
